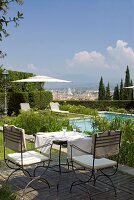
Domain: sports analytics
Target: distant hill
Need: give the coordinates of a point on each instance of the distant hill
(82, 86)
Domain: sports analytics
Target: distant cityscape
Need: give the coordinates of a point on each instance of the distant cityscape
(68, 94)
(78, 92)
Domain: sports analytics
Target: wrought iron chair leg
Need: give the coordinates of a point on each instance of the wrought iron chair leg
(35, 179)
(112, 184)
(79, 181)
(107, 176)
(11, 174)
(46, 168)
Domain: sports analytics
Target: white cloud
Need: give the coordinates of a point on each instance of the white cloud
(86, 61)
(121, 54)
(86, 57)
(115, 59)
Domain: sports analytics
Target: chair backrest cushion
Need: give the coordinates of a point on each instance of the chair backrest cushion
(106, 144)
(14, 138)
(25, 106)
(54, 106)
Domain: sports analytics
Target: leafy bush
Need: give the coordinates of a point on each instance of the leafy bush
(118, 110)
(101, 104)
(34, 122)
(79, 109)
(6, 193)
(127, 141)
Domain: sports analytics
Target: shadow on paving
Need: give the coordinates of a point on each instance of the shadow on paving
(123, 182)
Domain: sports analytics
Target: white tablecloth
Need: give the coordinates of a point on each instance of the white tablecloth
(79, 139)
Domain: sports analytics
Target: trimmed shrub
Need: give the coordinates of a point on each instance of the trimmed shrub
(37, 99)
(79, 109)
(101, 104)
(34, 122)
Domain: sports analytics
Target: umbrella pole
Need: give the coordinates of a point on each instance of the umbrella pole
(40, 96)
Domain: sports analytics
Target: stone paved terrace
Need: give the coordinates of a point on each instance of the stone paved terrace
(123, 182)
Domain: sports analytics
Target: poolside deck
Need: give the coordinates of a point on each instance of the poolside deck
(123, 182)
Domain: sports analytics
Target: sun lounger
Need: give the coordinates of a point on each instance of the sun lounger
(55, 108)
(25, 106)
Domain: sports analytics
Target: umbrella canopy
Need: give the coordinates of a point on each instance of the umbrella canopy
(42, 79)
(131, 87)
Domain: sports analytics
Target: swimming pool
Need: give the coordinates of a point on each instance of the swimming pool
(86, 124)
(112, 115)
(82, 124)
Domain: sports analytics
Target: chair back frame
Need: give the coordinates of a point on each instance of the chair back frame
(106, 144)
(14, 139)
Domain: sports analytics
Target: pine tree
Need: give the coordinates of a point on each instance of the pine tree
(127, 92)
(101, 95)
(116, 93)
(108, 92)
(121, 90)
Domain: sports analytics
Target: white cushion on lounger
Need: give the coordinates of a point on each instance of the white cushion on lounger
(55, 108)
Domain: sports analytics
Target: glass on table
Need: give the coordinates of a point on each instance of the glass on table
(74, 130)
(64, 129)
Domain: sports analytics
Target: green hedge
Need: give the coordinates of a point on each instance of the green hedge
(40, 99)
(36, 99)
(101, 104)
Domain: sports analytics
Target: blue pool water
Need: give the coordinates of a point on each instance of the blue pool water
(111, 116)
(86, 124)
(82, 124)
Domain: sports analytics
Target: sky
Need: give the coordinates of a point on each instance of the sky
(77, 40)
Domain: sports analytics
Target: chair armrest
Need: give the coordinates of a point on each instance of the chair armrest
(45, 145)
(77, 148)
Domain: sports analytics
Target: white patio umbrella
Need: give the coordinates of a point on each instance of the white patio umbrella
(41, 79)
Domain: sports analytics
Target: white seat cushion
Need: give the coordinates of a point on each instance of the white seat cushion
(29, 157)
(87, 161)
(60, 111)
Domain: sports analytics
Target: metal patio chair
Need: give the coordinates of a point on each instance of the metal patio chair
(104, 145)
(21, 158)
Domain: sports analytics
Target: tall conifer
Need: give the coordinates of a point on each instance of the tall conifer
(116, 93)
(108, 92)
(127, 92)
(121, 90)
(101, 95)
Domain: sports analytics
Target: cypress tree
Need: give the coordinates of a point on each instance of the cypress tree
(108, 92)
(116, 93)
(101, 95)
(121, 90)
(127, 92)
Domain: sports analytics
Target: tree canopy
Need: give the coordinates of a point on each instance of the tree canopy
(101, 95)
(120, 92)
(5, 19)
